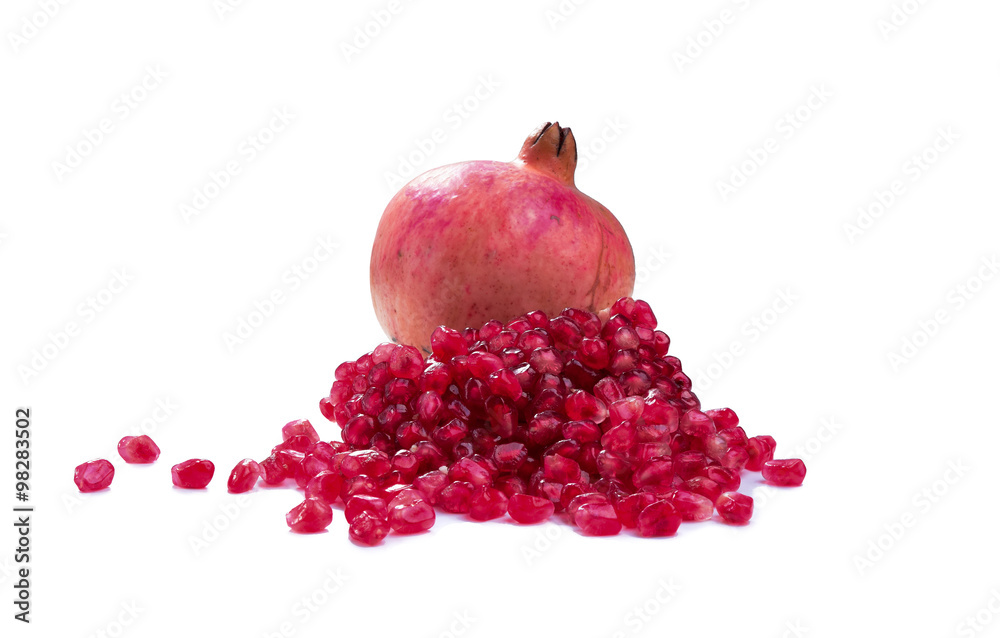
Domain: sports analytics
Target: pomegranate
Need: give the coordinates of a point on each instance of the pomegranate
(473, 241)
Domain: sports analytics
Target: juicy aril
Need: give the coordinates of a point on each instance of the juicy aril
(465, 243)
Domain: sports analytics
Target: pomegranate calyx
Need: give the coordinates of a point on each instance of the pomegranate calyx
(551, 150)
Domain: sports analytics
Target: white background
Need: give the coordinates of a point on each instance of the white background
(859, 549)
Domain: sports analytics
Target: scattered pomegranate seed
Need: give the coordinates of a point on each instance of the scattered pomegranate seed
(138, 449)
(310, 516)
(193, 474)
(369, 529)
(784, 472)
(93, 475)
(527, 510)
(410, 516)
(735, 508)
(597, 519)
(244, 476)
(487, 503)
(658, 519)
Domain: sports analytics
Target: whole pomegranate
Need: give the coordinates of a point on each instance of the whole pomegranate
(468, 242)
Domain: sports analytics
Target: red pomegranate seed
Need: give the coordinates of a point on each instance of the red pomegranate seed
(620, 439)
(138, 449)
(365, 503)
(695, 423)
(581, 431)
(785, 472)
(691, 506)
(310, 516)
(244, 476)
(447, 343)
(528, 510)
(410, 516)
(272, 472)
(325, 486)
(658, 519)
(597, 519)
(728, 480)
(368, 529)
(583, 406)
(301, 427)
(487, 503)
(560, 469)
(510, 456)
(759, 452)
(193, 474)
(405, 362)
(93, 475)
(456, 497)
(735, 508)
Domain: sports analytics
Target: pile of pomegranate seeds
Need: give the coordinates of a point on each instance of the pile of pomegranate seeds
(538, 416)
(530, 418)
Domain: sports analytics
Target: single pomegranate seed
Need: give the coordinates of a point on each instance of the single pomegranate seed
(728, 480)
(695, 423)
(405, 362)
(735, 508)
(447, 343)
(565, 331)
(608, 390)
(326, 486)
(582, 406)
(487, 503)
(138, 449)
(528, 510)
(93, 475)
(456, 497)
(620, 438)
(509, 456)
(483, 364)
(689, 464)
(560, 469)
(581, 431)
(410, 515)
(244, 476)
(368, 529)
(594, 353)
(785, 472)
(310, 516)
(193, 474)
(365, 503)
(759, 452)
(301, 427)
(658, 519)
(691, 506)
(597, 519)
(272, 472)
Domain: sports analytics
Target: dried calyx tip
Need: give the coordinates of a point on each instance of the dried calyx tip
(551, 149)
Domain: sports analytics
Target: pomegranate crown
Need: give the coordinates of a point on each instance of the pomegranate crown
(551, 149)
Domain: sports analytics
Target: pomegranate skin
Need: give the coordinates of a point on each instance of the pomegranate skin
(473, 241)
